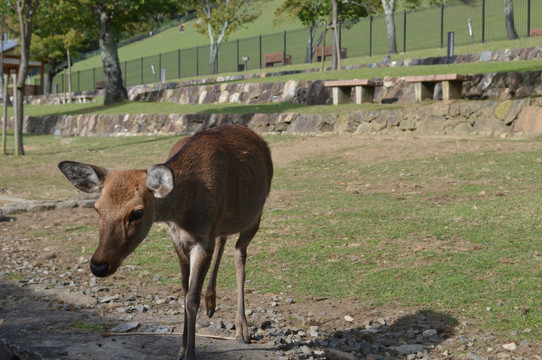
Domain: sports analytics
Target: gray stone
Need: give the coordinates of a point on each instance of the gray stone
(485, 56)
(333, 354)
(123, 328)
(408, 349)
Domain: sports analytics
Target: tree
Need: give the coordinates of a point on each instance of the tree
(54, 24)
(220, 18)
(509, 20)
(311, 13)
(389, 10)
(25, 10)
(112, 17)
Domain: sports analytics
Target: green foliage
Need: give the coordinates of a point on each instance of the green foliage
(220, 18)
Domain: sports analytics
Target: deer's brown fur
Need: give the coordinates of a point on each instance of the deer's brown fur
(214, 184)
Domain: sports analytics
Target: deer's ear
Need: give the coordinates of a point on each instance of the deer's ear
(85, 177)
(160, 180)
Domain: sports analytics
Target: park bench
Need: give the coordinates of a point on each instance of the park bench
(80, 99)
(99, 85)
(535, 32)
(278, 57)
(452, 85)
(327, 52)
(341, 90)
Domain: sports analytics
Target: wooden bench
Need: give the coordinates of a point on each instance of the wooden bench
(341, 90)
(99, 85)
(327, 52)
(278, 57)
(452, 85)
(535, 32)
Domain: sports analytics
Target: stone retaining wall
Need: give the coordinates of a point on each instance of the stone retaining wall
(494, 118)
(221, 91)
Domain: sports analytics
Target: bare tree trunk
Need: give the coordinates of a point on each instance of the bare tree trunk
(115, 91)
(334, 39)
(509, 20)
(69, 76)
(323, 58)
(5, 113)
(213, 63)
(18, 107)
(389, 9)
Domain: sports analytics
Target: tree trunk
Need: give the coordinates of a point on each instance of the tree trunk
(213, 58)
(19, 116)
(53, 68)
(389, 9)
(509, 20)
(69, 75)
(115, 91)
(312, 44)
(334, 39)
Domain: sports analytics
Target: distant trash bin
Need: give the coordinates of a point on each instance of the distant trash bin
(240, 67)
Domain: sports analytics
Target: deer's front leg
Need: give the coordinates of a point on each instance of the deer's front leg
(182, 254)
(199, 259)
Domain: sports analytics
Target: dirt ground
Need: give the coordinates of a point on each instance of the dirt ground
(31, 258)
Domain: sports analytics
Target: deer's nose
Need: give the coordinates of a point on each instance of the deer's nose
(99, 270)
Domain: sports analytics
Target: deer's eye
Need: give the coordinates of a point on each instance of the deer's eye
(135, 215)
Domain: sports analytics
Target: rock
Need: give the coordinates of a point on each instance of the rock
(510, 347)
(122, 328)
(408, 349)
(313, 331)
(529, 120)
(472, 356)
(332, 354)
(348, 318)
(75, 298)
(265, 324)
(430, 332)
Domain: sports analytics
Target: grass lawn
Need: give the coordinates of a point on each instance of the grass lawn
(448, 225)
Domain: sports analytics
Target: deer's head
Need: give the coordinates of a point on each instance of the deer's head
(126, 207)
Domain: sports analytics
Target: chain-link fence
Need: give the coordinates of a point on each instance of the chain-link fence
(415, 30)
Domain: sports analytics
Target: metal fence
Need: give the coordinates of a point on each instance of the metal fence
(415, 30)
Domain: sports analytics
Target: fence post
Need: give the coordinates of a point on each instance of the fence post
(78, 80)
(93, 78)
(126, 73)
(441, 26)
(142, 70)
(197, 60)
(284, 49)
(483, 20)
(528, 18)
(160, 62)
(404, 31)
(371, 35)
(260, 51)
(340, 34)
(237, 64)
(179, 63)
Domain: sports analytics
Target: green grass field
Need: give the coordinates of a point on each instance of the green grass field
(455, 231)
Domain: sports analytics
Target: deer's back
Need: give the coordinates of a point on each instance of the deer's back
(223, 175)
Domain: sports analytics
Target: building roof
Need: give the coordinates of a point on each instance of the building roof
(9, 44)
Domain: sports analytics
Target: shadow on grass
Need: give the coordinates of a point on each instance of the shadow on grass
(410, 334)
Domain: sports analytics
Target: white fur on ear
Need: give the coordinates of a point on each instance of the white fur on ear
(85, 177)
(160, 180)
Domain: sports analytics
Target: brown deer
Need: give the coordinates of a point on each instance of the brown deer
(213, 184)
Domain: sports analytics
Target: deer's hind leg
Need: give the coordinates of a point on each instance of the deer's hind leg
(210, 291)
(241, 326)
